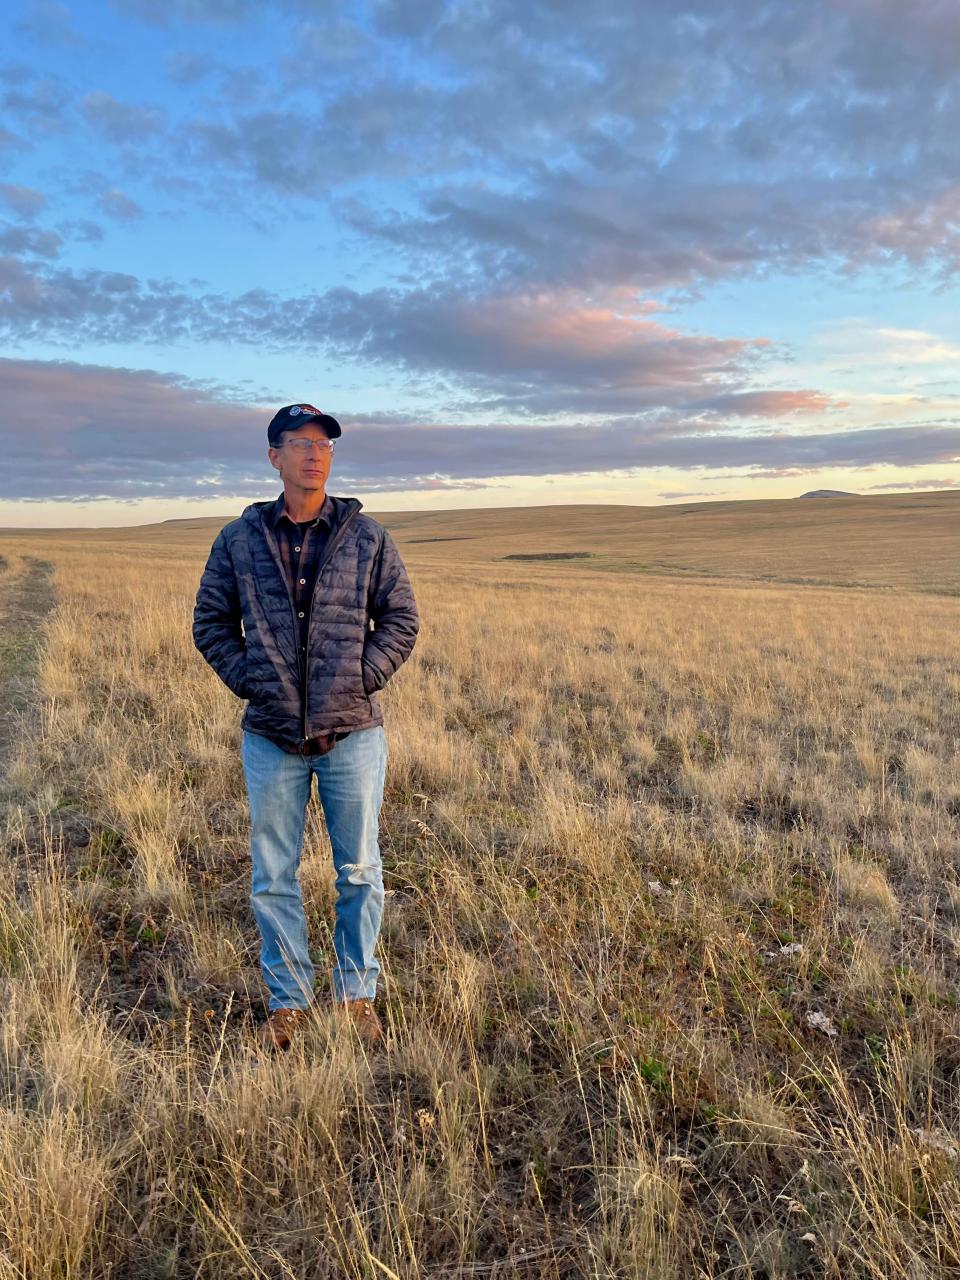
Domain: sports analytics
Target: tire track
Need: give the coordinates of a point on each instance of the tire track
(26, 599)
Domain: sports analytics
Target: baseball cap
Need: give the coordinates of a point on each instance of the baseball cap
(292, 416)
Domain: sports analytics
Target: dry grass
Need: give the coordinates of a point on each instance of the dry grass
(608, 822)
(906, 541)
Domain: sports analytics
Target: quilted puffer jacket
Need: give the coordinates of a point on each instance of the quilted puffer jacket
(362, 625)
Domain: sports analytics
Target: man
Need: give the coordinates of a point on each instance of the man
(328, 616)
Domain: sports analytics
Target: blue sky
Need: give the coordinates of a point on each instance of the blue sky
(548, 253)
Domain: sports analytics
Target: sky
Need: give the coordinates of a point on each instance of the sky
(529, 254)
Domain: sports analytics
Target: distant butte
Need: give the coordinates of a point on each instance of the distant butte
(829, 493)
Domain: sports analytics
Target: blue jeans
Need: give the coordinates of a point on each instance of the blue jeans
(350, 781)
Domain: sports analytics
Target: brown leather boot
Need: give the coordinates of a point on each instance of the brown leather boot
(365, 1019)
(280, 1028)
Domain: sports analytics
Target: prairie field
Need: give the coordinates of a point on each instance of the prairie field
(671, 844)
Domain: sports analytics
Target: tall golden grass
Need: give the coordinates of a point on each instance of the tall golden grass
(669, 951)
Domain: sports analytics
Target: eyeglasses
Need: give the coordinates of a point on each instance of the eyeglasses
(302, 446)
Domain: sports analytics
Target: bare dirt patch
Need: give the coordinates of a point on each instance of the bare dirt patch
(550, 555)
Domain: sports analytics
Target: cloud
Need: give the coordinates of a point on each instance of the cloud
(49, 22)
(577, 146)
(213, 11)
(533, 187)
(31, 240)
(120, 121)
(38, 101)
(546, 353)
(74, 432)
(25, 202)
(671, 495)
(81, 229)
(918, 484)
(766, 404)
(89, 305)
(383, 131)
(186, 68)
(860, 337)
(915, 231)
(411, 18)
(541, 353)
(10, 142)
(116, 204)
(661, 148)
(694, 145)
(535, 355)
(338, 43)
(636, 152)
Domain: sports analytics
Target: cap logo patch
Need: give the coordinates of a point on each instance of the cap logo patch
(295, 410)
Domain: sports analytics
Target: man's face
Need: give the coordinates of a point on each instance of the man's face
(305, 468)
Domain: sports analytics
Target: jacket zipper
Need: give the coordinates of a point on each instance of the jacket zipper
(274, 551)
(328, 551)
(333, 543)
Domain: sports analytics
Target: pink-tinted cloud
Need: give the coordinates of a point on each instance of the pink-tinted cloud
(769, 404)
(535, 354)
(75, 432)
(917, 231)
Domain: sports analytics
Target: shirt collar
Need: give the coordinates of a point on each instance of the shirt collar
(276, 512)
